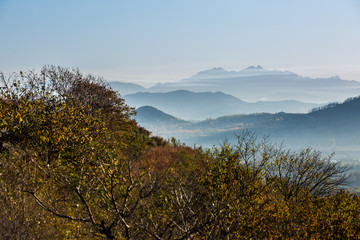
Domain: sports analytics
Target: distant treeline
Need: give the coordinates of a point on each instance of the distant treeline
(332, 105)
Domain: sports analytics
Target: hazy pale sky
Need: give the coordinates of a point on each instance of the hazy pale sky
(163, 40)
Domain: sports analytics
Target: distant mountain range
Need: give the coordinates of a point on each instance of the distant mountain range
(335, 127)
(202, 105)
(217, 92)
(256, 83)
(126, 88)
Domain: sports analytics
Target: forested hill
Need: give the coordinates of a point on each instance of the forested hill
(334, 123)
(347, 111)
(337, 122)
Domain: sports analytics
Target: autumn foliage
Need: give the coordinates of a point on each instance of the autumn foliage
(74, 165)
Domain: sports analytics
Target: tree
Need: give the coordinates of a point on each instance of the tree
(263, 190)
(74, 154)
(292, 172)
(289, 171)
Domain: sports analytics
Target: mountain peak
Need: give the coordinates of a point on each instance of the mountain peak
(258, 67)
(220, 69)
(215, 70)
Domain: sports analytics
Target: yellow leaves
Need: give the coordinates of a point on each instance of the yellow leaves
(18, 116)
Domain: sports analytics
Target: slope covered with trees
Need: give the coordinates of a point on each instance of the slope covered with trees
(334, 127)
(74, 165)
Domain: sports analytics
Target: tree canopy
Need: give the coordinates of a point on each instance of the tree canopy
(75, 165)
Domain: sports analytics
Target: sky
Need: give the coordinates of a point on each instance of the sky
(154, 41)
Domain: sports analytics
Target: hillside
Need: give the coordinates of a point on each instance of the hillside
(335, 127)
